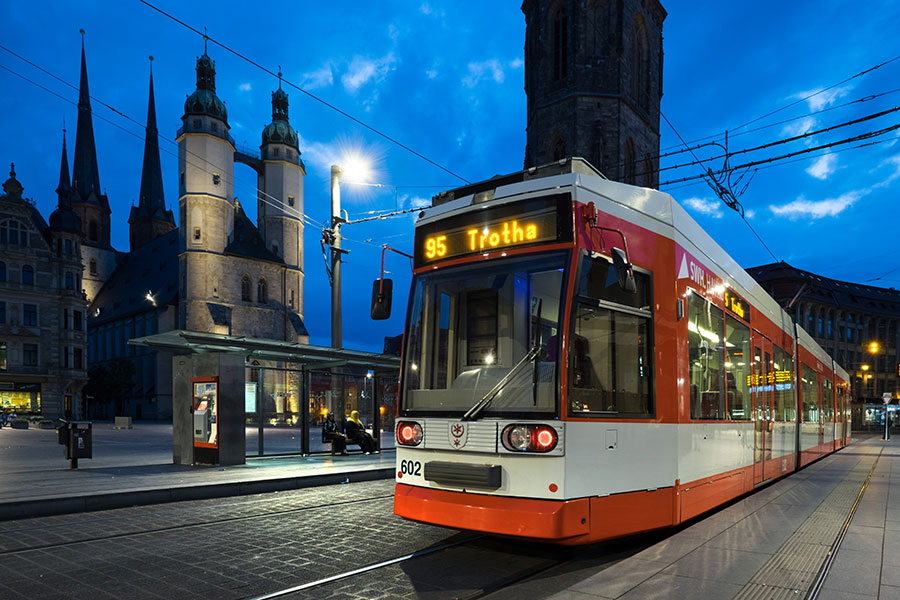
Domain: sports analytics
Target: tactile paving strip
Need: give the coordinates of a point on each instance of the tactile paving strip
(793, 569)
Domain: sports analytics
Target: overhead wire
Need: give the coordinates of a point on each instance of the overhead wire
(303, 91)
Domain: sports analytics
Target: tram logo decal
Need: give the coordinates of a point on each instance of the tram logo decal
(692, 269)
(459, 434)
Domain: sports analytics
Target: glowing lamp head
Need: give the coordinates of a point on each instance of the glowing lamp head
(874, 347)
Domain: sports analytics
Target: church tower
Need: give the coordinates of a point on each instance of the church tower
(593, 77)
(88, 201)
(150, 219)
(280, 202)
(206, 196)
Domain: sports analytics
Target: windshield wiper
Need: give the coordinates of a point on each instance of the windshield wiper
(533, 355)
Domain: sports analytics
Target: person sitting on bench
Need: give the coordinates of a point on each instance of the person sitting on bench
(357, 434)
(331, 434)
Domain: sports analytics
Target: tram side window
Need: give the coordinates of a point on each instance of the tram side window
(737, 365)
(808, 393)
(828, 401)
(707, 357)
(610, 367)
(784, 387)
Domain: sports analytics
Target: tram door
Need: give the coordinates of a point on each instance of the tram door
(763, 410)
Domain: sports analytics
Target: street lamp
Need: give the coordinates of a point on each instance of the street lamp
(355, 169)
(873, 348)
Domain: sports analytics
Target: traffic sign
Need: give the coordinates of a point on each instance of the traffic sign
(886, 397)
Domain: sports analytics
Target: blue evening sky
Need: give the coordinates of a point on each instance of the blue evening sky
(446, 79)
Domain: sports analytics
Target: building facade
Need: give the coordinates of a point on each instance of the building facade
(43, 312)
(856, 324)
(593, 77)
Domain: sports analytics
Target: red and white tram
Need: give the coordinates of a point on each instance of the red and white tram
(582, 361)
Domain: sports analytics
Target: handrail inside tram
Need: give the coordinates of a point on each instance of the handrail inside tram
(534, 354)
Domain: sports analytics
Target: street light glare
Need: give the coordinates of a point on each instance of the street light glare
(355, 168)
(874, 347)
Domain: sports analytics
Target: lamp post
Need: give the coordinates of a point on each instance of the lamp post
(336, 220)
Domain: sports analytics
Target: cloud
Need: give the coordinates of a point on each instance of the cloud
(750, 214)
(711, 208)
(823, 166)
(244, 87)
(800, 127)
(823, 98)
(831, 207)
(490, 69)
(517, 63)
(431, 73)
(318, 79)
(363, 70)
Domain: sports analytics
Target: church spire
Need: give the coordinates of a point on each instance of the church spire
(64, 189)
(151, 199)
(150, 219)
(86, 175)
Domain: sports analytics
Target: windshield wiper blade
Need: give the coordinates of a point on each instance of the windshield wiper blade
(473, 413)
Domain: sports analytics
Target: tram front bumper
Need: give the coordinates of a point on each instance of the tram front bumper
(500, 515)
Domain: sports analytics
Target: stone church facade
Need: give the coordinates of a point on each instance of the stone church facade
(593, 77)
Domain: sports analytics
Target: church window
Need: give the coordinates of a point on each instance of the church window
(2, 356)
(216, 178)
(648, 171)
(65, 353)
(640, 63)
(245, 289)
(182, 178)
(68, 246)
(275, 248)
(77, 320)
(275, 151)
(2, 312)
(27, 275)
(292, 299)
(197, 123)
(215, 126)
(78, 361)
(93, 266)
(197, 234)
(290, 200)
(559, 149)
(560, 44)
(262, 292)
(70, 281)
(2, 271)
(629, 161)
(93, 233)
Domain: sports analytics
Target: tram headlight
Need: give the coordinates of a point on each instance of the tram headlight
(522, 437)
(409, 433)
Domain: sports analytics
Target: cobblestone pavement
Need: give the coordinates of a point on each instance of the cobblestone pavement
(227, 548)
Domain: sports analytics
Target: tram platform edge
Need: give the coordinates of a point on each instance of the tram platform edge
(35, 482)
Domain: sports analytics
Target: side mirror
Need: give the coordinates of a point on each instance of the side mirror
(623, 270)
(381, 299)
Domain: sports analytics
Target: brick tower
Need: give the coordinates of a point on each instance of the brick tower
(593, 77)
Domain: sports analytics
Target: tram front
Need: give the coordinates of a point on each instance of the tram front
(480, 443)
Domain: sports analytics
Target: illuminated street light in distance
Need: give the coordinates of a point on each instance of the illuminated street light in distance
(874, 347)
(864, 367)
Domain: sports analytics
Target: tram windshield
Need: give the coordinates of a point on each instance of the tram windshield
(490, 328)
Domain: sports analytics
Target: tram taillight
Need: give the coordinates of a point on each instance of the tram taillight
(529, 438)
(409, 433)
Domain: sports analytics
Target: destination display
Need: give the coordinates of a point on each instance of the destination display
(737, 305)
(491, 229)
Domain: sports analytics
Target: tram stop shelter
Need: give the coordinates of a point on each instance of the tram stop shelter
(234, 397)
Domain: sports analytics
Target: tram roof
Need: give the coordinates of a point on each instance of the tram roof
(654, 210)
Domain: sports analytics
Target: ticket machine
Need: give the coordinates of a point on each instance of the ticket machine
(205, 411)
